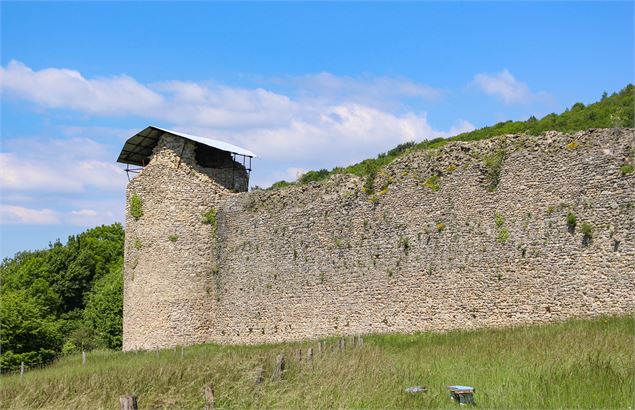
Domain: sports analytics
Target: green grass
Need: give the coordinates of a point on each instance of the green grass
(572, 364)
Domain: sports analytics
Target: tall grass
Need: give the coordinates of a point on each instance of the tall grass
(573, 364)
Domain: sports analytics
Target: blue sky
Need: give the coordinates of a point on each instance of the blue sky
(304, 85)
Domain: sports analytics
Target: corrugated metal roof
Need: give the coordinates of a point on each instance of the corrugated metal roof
(138, 148)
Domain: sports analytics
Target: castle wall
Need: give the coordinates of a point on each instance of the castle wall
(418, 254)
(327, 259)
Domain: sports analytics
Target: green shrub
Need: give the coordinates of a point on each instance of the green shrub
(173, 238)
(209, 217)
(371, 174)
(432, 182)
(281, 184)
(493, 166)
(313, 176)
(499, 219)
(627, 169)
(440, 226)
(136, 206)
(503, 235)
(571, 221)
(404, 243)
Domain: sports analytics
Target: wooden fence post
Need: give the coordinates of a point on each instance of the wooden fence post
(21, 369)
(277, 372)
(259, 375)
(309, 356)
(83, 358)
(209, 397)
(128, 402)
(298, 355)
(320, 346)
(181, 352)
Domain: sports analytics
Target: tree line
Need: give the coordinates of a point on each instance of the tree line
(63, 299)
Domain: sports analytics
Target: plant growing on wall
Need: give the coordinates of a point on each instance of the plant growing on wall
(493, 166)
(499, 219)
(136, 206)
(173, 238)
(432, 182)
(503, 235)
(571, 222)
(626, 169)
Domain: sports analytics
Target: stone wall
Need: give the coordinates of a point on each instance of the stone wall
(444, 241)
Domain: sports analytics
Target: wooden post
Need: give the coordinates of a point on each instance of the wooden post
(309, 356)
(181, 352)
(259, 375)
(209, 397)
(83, 358)
(128, 402)
(298, 355)
(341, 345)
(360, 341)
(277, 372)
(320, 346)
(21, 369)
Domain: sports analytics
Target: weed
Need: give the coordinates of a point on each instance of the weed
(571, 222)
(432, 183)
(136, 206)
(173, 238)
(493, 166)
(627, 169)
(209, 217)
(137, 244)
(404, 243)
(572, 145)
(499, 219)
(440, 226)
(503, 236)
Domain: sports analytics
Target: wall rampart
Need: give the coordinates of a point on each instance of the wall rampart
(477, 234)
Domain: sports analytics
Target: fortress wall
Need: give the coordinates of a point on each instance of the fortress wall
(326, 259)
(169, 298)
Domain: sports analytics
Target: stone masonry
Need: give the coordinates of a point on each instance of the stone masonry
(470, 235)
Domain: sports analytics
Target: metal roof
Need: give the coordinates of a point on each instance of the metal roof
(138, 148)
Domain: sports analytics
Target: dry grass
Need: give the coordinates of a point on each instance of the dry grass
(573, 364)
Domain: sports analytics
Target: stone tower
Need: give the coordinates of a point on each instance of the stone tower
(169, 267)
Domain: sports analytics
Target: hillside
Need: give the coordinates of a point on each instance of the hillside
(573, 364)
(616, 110)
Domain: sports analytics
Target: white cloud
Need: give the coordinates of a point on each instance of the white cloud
(325, 121)
(25, 171)
(11, 214)
(63, 88)
(505, 87)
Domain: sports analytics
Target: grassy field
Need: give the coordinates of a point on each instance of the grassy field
(573, 364)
